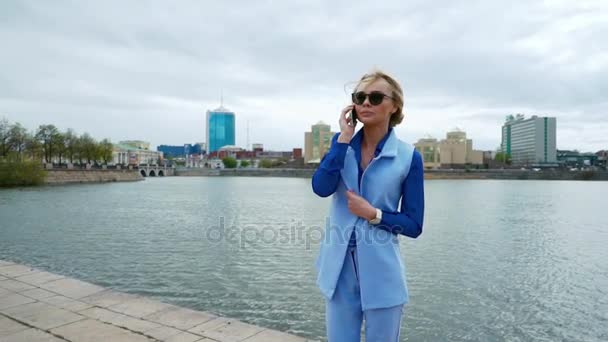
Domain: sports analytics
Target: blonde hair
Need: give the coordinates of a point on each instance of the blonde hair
(397, 92)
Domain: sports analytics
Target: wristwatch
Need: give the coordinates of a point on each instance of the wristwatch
(378, 218)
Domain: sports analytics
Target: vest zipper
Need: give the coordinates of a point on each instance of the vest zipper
(363, 175)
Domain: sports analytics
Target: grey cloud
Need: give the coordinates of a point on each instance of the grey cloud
(158, 65)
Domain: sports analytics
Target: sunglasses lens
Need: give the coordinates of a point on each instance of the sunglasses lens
(359, 97)
(376, 98)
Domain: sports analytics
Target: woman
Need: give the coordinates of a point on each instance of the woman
(360, 271)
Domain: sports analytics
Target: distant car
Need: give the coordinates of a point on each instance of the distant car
(536, 169)
(574, 169)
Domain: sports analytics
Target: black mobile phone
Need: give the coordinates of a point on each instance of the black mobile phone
(353, 117)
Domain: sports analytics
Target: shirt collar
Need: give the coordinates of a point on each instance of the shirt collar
(355, 143)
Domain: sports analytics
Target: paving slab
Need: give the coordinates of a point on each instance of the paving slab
(39, 278)
(71, 288)
(163, 332)
(12, 271)
(274, 336)
(168, 334)
(118, 319)
(201, 329)
(6, 263)
(38, 294)
(15, 286)
(186, 337)
(108, 298)
(41, 315)
(139, 307)
(233, 331)
(9, 327)
(180, 318)
(31, 335)
(95, 331)
(11, 299)
(41, 306)
(66, 303)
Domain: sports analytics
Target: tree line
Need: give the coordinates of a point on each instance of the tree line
(48, 144)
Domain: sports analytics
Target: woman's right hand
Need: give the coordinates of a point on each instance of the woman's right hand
(347, 129)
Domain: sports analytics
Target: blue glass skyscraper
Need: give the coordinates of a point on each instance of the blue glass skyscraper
(220, 129)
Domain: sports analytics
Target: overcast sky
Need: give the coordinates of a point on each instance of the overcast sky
(149, 70)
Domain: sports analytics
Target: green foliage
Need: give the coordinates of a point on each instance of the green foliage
(244, 163)
(49, 137)
(503, 158)
(270, 163)
(265, 163)
(229, 162)
(14, 172)
(105, 148)
(49, 144)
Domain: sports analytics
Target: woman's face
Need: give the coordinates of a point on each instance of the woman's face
(380, 114)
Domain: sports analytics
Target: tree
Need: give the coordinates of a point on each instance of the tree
(88, 148)
(34, 148)
(244, 163)
(47, 136)
(70, 140)
(105, 148)
(4, 137)
(18, 139)
(229, 162)
(502, 157)
(59, 143)
(266, 163)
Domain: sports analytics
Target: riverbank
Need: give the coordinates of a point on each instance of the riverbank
(40, 306)
(15, 173)
(428, 174)
(56, 177)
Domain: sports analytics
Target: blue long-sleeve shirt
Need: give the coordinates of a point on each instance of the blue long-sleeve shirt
(408, 221)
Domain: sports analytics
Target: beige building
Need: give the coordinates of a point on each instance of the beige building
(135, 153)
(429, 149)
(317, 142)
(455, 151)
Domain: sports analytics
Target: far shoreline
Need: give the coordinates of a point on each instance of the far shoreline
(441, 174)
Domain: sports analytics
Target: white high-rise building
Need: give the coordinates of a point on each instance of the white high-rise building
(530, 141)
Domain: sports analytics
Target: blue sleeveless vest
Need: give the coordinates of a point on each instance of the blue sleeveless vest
(381, 271)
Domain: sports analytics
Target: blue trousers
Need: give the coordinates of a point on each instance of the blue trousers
(344, 315)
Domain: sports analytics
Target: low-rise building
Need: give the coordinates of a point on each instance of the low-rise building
(135, 153)
(455, 151)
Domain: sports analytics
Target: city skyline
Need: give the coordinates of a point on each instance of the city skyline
(102, 69)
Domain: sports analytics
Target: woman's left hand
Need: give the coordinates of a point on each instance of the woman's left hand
(360, 206)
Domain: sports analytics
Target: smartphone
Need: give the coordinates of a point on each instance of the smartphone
(353, 117)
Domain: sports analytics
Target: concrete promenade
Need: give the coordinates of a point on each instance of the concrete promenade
(37, 306)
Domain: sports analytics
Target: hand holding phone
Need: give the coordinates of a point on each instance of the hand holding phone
(348, 120)
(353, 117)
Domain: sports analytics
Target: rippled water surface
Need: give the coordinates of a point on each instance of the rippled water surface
(498, 260)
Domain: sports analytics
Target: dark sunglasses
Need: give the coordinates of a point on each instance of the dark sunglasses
(375, 97)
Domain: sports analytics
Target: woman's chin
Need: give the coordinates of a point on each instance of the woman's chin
(367, 121)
